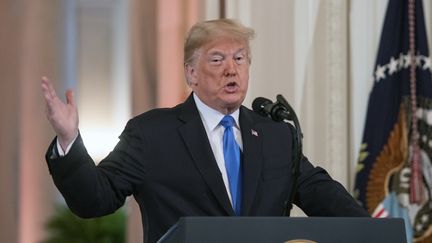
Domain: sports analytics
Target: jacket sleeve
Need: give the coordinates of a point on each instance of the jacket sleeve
(95, 190)
(319, 195)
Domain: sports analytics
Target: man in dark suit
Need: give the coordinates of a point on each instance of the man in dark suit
(175, 161)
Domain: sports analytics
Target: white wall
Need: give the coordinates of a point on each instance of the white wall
(365, 29)
(103, 87)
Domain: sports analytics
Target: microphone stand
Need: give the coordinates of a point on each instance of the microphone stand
(297, 155)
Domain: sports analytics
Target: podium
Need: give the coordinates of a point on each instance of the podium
(284, 229)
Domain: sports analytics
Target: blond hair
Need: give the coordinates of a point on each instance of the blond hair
(203, 32)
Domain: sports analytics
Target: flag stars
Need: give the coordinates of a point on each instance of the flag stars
(427, 63)
(406, 60)
(380, 72)
(394, 65)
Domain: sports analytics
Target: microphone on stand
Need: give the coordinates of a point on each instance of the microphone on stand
(266, 107)
(281, 111)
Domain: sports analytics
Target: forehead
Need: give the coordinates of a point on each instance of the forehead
(224, 45)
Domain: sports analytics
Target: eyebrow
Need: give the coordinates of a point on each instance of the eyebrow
(217, 52)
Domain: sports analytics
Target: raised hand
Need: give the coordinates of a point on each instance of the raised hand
(62, 116)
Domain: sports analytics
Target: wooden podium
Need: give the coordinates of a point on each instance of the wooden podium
(284, 229)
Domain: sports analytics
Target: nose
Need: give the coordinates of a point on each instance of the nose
(230, 68)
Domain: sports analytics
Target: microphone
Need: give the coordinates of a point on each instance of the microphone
(282, 111)
(265, 107)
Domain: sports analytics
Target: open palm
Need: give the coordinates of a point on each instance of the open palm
(62, 116)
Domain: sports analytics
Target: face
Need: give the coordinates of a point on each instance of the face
(220, 74)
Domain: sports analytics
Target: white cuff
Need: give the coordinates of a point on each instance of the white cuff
(62, 153)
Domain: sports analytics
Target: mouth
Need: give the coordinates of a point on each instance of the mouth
(231, 87)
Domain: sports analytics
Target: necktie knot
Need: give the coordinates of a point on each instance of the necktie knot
(227, 121)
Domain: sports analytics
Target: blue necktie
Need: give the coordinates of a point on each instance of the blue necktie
(232, 162)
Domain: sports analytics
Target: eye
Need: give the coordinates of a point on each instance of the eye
(240, 58)
(216, 60)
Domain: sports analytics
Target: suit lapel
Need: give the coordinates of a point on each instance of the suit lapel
(196, 140)
(252, 158)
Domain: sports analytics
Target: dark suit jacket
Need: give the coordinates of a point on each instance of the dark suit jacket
(165, 161)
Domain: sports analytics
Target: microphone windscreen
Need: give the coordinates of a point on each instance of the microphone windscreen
(258, 105)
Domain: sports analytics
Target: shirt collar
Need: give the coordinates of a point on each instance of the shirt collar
(212, 117)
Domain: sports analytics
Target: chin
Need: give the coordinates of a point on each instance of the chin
(233, 105)
(233, 100)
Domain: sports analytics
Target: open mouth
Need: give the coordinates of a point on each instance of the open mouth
(231, 87)
(232, 84)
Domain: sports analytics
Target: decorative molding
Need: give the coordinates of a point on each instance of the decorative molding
(336, 12)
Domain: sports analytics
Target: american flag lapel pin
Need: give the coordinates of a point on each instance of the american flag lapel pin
(255, 133)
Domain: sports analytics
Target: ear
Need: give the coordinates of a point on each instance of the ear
(190, 73)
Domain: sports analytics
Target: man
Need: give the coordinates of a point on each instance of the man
(187, 160)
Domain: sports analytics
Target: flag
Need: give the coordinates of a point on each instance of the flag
(394, 170)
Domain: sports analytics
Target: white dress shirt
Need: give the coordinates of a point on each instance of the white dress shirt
(215, 131)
